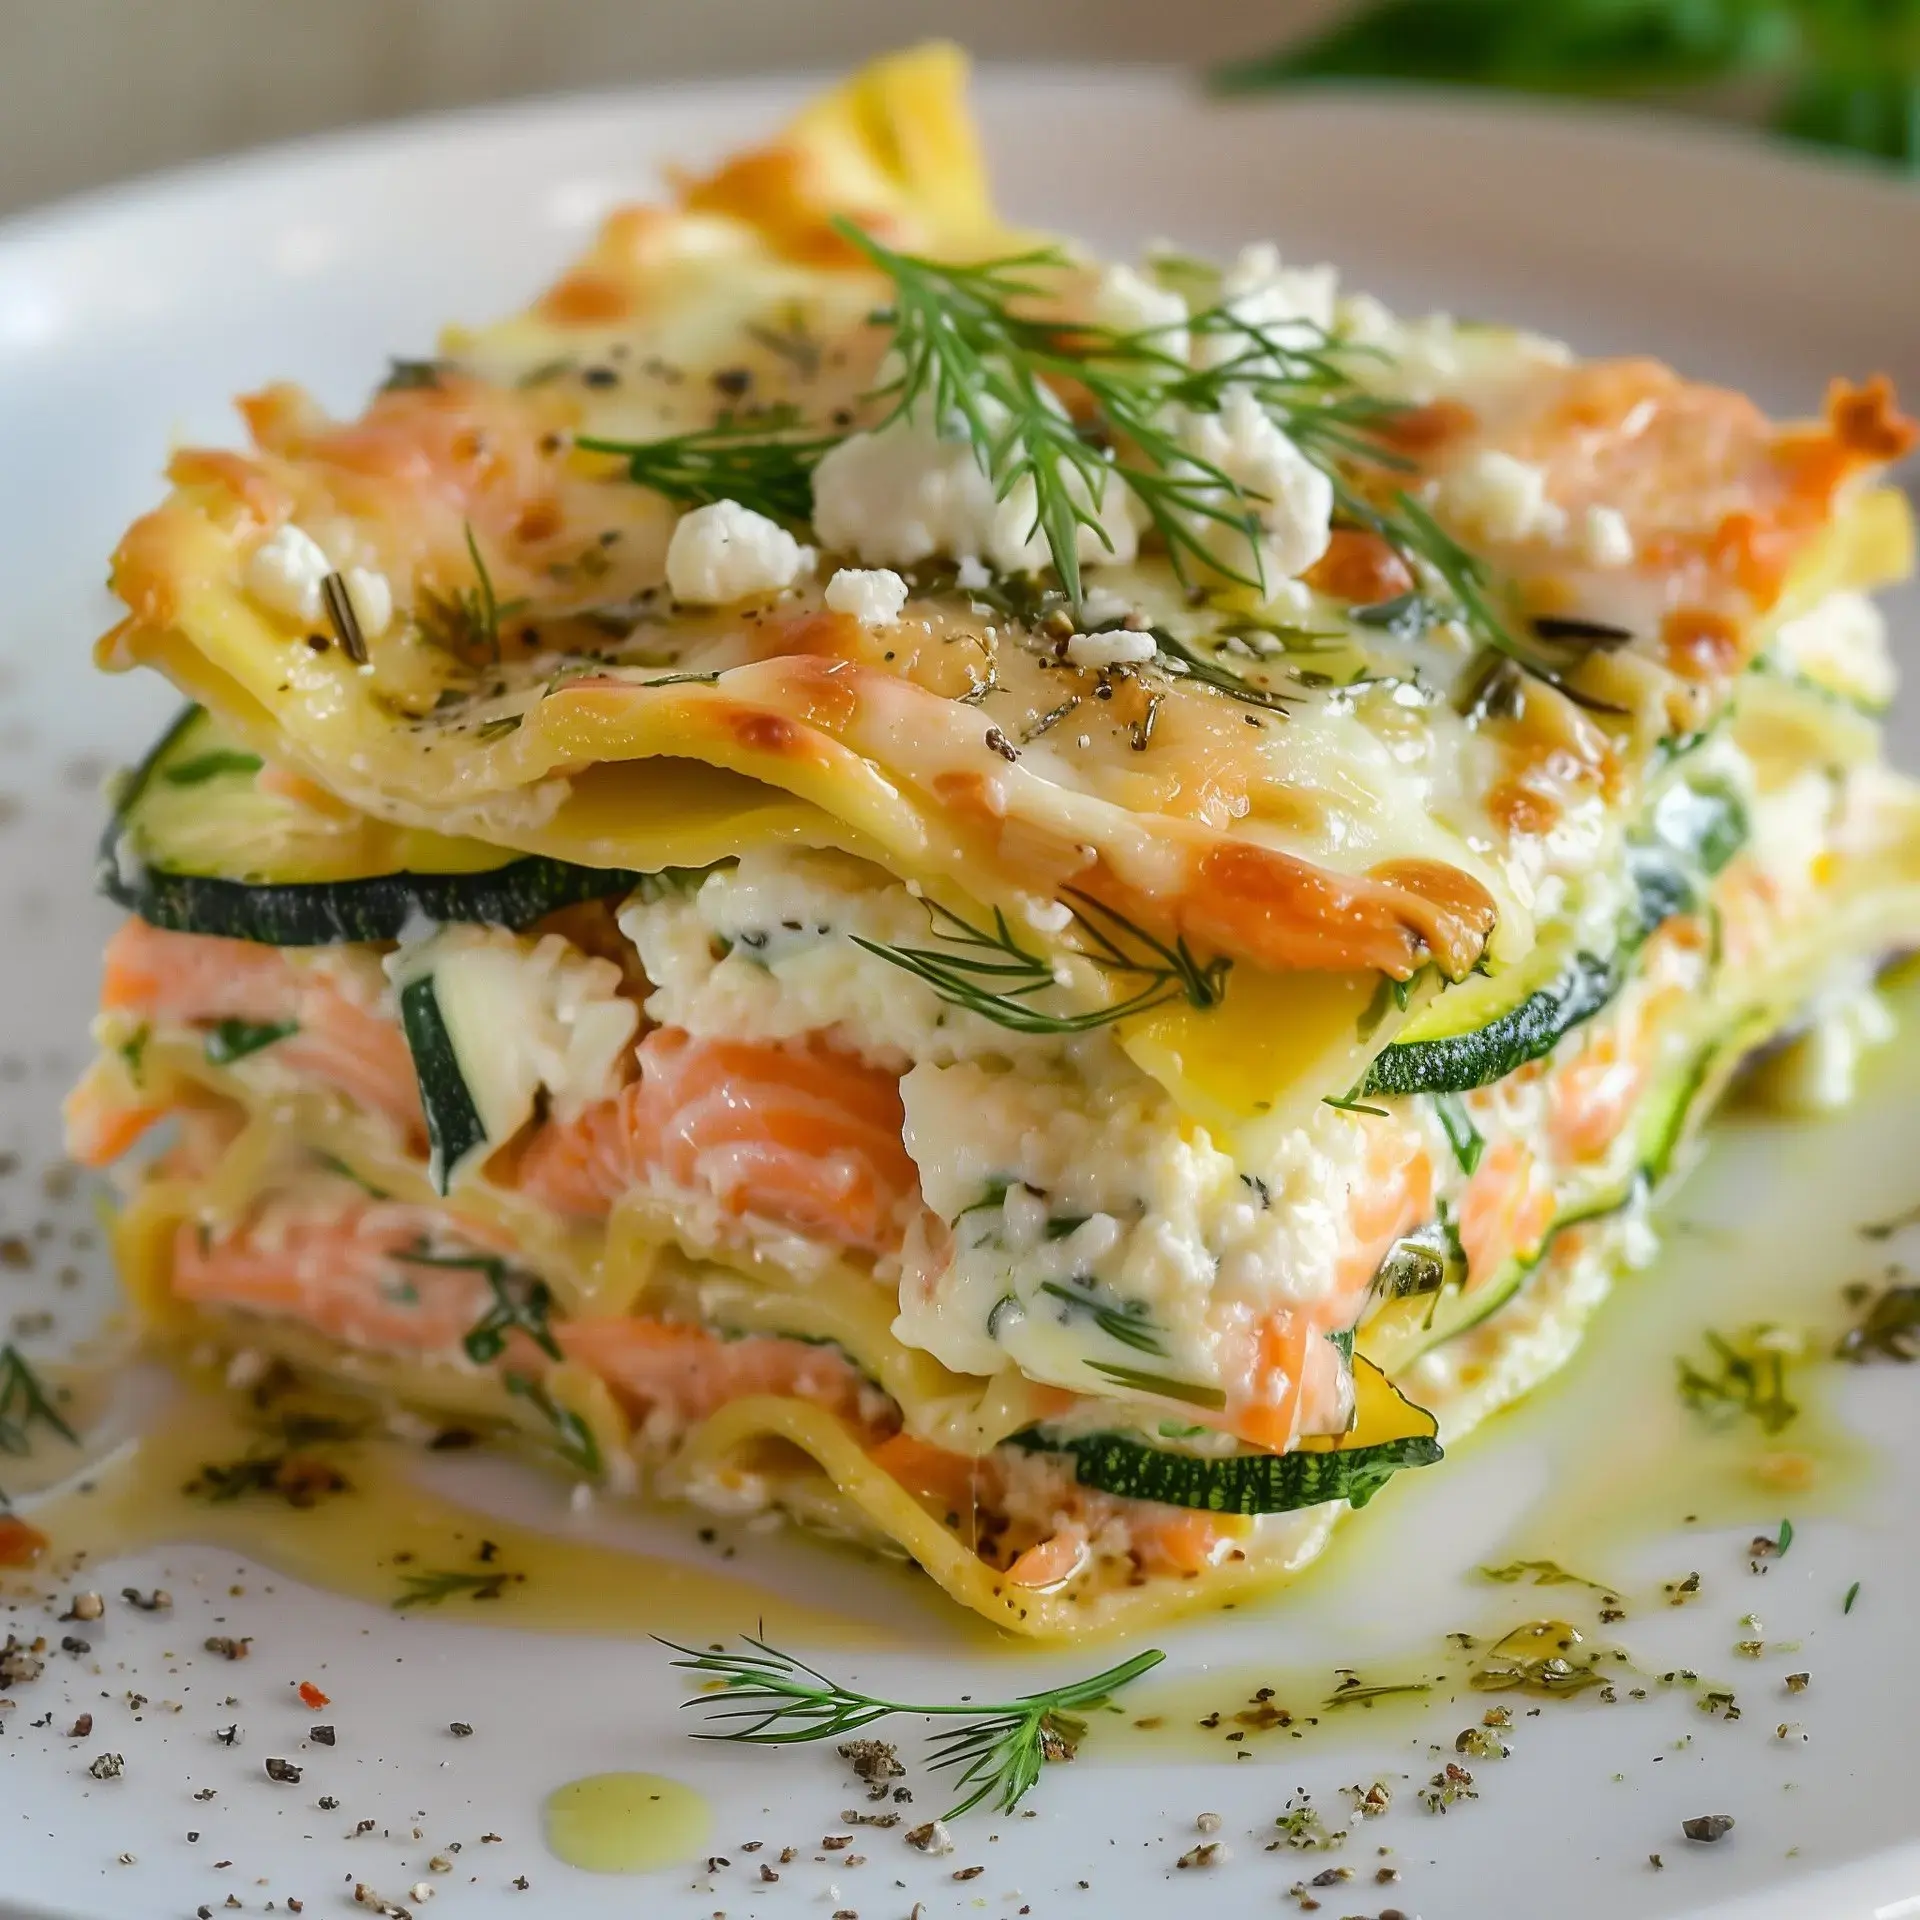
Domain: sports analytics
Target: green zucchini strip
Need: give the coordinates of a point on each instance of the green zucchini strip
(1691, 834)
(195, 848)
(1389, 1433)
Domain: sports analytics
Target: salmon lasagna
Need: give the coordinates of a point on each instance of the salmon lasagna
(1052, 914)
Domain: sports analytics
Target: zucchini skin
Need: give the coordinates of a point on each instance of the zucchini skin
(1246, 1483)
(1666, 880)
(1459, 1062)
(454, 1128)
(290, 912)
(343, 912)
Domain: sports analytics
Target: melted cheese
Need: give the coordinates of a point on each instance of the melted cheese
(1371, 829)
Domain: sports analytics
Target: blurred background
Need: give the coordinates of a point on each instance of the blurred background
(94, 90)
(97, 90)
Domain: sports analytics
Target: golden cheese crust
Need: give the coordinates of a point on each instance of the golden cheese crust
(1357, 825)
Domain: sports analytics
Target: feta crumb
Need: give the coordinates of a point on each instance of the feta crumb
(1502, 498)
(972, 574)
(905, 491)
(1293, 305)
(1606, 539)
(724, 552)
(1118, 648)
(371, 596)
(284, 574)
(1127, 302)
(1291, 497)
(874, 596)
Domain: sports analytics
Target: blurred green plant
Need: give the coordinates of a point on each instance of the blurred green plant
(1848, 71)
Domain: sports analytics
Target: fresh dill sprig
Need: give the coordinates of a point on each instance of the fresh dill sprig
(1747, 1379)
(521, 1302)
(764, 462)
(432, 1585)
(1417, 536)
(1889, 1329)
(1213, 670)
(989, 972)
(967, 356)
(999, 1752)
(1359, 1693)
(1543, 1573)
(25, 1404)
(1166, 1386)
(232, 1040)
(280, 1465)
(465, 621)
(573, 1439)
(1128, 1323)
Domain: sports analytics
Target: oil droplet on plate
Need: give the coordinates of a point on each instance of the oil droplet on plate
(626, 1822)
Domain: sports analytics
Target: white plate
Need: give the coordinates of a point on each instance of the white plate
(127, 320)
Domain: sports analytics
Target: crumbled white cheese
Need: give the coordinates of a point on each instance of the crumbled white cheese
(1117, 648)
(1290, 497)
(875, 597)
(1501, 498)
(1127, 302)
(1606, 540)
(284, 574)
(371, 597)
(1418, 359)
(904, 492)
(724, 552)
(1292, 306)
(1101, 606)
(971, 574)
(1412, 359)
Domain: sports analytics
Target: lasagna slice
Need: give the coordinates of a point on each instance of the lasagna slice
(1053, 914)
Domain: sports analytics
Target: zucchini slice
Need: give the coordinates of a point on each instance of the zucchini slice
(1488, 1026)
(454, 1127)
(483, 1019)
(197, 845)
(1389, 1433)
